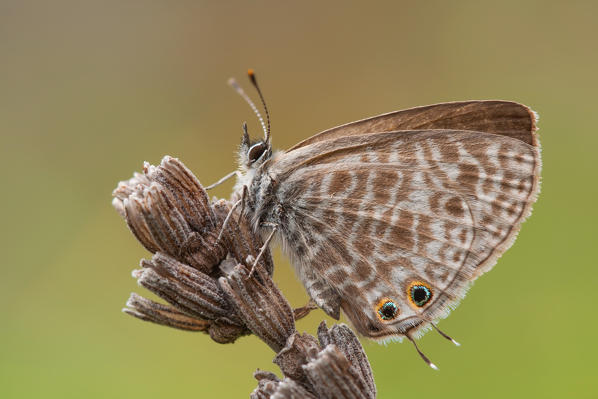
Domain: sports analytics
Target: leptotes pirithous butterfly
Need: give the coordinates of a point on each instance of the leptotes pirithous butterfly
(392, 218)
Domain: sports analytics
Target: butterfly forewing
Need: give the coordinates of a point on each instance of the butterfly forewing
(506, 118)
(366, 218)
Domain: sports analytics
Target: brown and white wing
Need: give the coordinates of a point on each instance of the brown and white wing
(369, 217)
(506, 118)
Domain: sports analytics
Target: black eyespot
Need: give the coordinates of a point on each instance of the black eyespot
(419, 293)
(387, 309)
(372, 328)
(256, 151)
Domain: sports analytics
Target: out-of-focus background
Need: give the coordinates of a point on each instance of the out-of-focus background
(90, 90)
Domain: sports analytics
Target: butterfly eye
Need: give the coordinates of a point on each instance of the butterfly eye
(256, 151)
(387, 310)
(419, 293)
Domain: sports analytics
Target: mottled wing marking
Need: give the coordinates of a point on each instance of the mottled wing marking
(368, 214)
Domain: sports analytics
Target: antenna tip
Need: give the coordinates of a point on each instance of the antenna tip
(233, 83)
(251, 75)
(433, 366)
(455, 342)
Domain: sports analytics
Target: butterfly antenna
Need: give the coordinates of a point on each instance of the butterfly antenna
(422, 354)
(445, 335)
(259, 92)
(233, 83)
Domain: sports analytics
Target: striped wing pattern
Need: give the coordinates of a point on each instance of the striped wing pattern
(366, 215)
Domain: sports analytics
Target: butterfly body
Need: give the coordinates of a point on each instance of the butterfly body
(392, 218)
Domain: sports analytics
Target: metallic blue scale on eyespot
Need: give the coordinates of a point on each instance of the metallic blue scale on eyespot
(420, 294)
(388, 311)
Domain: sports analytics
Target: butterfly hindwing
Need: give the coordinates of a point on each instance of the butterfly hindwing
(388, 221)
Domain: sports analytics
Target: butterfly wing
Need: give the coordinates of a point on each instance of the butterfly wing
(506, 118)
(393, 227)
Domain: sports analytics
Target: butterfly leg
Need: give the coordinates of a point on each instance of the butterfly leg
(303, 311)
(225, 178)
(243, 198)
(230, 213)
(263, 250)
(321, 292)
(227, 219)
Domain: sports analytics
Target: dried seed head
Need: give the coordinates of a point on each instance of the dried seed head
(206, 283)
(332, 376)
(289, 389)
(260, 305)
(269, 386)
(126, 188)
(154, 220)
(168, 210)
(299, 351)
(186, 288)
(198, 302)
(190, 198)
(346, 341)
(223, 332)
(165, 315)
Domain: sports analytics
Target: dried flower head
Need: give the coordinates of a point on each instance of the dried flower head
(169, 212)
(208, 286)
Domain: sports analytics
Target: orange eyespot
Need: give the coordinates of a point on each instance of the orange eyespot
(387, 309)
(419, 293)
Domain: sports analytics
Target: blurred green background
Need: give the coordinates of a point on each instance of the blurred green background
(89, 90)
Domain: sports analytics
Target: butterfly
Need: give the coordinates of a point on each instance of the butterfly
(392, 218)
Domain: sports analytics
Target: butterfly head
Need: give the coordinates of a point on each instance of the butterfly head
(252, 154)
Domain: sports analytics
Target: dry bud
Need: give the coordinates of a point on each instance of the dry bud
(168, 210)
(166, 315)
(190, 290)
(345, 340)
(260, 305)
(332, 376)
(269, 386)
